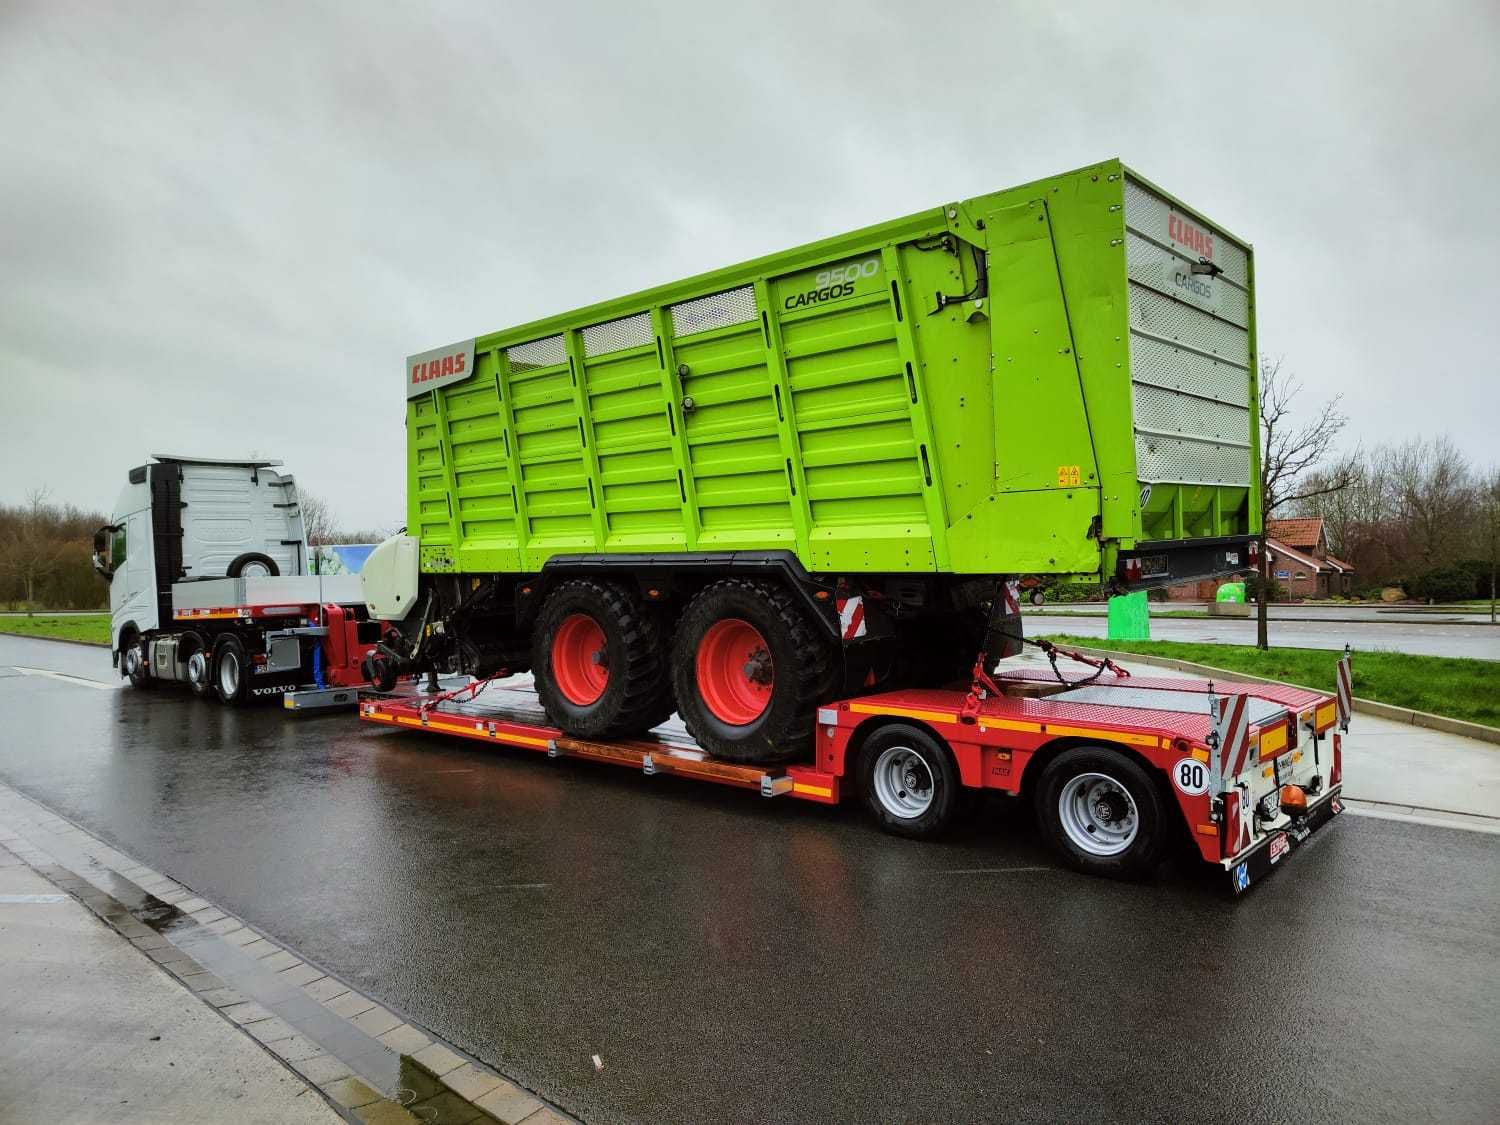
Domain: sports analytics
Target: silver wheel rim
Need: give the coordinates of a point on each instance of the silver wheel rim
(132, 661)
(255, 570)
(1098, 814)
(903, 783)
(197, 669)
(229, 673)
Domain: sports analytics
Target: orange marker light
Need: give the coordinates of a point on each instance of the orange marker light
(1293, 799)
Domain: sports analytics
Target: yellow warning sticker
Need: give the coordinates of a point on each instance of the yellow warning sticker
(1069, 476)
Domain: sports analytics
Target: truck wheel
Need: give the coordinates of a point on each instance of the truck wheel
(380, 671)
(137, 667)
(200, 669)
(231, 672)
(1100, 810)
(909, 782)
(749, 672)
(599, 663)
(253, 565)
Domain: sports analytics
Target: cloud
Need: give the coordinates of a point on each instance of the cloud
(226, 226)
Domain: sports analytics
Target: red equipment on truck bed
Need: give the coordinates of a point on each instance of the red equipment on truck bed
(1249, 768)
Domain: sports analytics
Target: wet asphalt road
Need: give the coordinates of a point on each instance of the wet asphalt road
(732, 958)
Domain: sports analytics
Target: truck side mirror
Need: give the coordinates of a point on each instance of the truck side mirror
(102, 562)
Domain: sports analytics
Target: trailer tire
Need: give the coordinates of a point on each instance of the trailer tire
(728, 708)
(909, 782)
(1102, 812)
(254, 559)
(231, 671)
(599, 662)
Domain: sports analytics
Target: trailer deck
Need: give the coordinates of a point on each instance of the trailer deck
(1228, 748)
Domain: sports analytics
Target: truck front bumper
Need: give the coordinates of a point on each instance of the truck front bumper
(1257, 861)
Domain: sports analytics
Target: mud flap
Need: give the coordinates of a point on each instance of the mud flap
(1003, 637)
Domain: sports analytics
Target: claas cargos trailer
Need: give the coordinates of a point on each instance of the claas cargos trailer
(824, 471)
(1118, 768)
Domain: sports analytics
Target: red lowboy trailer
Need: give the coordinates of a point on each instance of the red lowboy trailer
(1117, 766)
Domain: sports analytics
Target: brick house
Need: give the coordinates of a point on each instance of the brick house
(1300, 562)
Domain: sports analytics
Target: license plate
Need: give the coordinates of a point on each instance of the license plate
(1280, 845)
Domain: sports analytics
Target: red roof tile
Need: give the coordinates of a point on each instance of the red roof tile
(1303, 533)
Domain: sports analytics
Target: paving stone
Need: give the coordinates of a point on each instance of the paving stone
(279, 960)
(202, 982)
(301, 974)
(351, 1093)
(438, 1059)
(322, 1069)
(193, 905)
(222, 997)
(204, 917)
(448, 1108)
(294, 1048)
(377, 1021)
(404, 1040)
(245, 1013)
(226, 925)
(270, 1030)
(350, 1004)
(470, 1081)
(169, 952)
(325, 989)
(243, 937)
(259, 947)
(388, 1113)
(547, 1116)
(153, 940)
(508, 1102)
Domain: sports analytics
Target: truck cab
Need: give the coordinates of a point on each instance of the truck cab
(183, 520)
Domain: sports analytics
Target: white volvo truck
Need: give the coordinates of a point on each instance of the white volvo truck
(211, 583)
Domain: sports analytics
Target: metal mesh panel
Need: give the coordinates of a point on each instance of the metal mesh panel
(1188, 461)
(538, 353)
(734, 306)
(1163, 365)
(1149, 214)
(1160, 315)
(617, 335)
(1148, 264)
(1158, 409)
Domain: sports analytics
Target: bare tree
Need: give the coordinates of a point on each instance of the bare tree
(317, 518)
(32, 551)
(1489, 501)
(1290, 455)
(1433, 497)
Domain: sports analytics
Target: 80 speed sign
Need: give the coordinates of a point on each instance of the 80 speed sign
(1191, 777)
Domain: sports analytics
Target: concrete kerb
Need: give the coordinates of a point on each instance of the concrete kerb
(328, 1041)
(1477, 731)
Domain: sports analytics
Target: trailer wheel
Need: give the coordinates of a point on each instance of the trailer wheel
(599, 661)
(909, 782)
(749, 672)
(1100, 810)
(231, 671)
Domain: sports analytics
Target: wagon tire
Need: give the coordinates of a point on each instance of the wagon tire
(909, 782)
(254, 561)
(135, 665)
(1102, 812)
(231, 671)
(200, 670)
(749, 669)
(599, 661)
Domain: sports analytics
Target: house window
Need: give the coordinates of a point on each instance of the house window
(1301, 575)
(1283, 574)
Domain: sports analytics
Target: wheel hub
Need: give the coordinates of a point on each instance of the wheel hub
(735, 673)
(902, 782)
(1097, 814)
(580, 659)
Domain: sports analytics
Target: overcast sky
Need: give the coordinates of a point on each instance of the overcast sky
(225, 226)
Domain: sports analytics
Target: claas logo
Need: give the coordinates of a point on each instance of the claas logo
(438, 368)
(1181, 231)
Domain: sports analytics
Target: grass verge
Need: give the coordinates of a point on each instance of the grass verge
(88, 628)
(1441, 685)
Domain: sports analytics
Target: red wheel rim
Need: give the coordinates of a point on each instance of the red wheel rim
(735, 674)
(578, 659)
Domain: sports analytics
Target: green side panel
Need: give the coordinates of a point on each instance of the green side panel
(979, 389)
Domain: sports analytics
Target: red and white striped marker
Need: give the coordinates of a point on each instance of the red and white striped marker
(851, 616)
(1232, 732)
(1345, 690)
